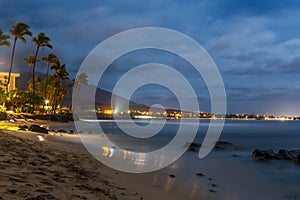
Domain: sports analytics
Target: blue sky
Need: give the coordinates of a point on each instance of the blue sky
(255, 44)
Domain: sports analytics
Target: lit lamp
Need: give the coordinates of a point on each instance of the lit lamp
(46, 102)
(46, 107)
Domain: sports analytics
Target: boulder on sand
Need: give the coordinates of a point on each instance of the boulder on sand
(223, 145)
(282, 154)
(297, 160)
(266, 154)
(218, 146)
(36, 128)
(192, 146)
(23, 128)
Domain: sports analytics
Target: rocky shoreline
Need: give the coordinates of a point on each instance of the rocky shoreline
(257, 154)
(64, 118)
(281, 154)
(219, 146)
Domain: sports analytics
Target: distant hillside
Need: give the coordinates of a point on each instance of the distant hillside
(102, 98)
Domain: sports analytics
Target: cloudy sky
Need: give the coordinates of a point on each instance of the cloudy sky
(255, 44)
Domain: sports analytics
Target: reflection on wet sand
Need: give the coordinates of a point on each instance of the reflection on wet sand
(130, 156)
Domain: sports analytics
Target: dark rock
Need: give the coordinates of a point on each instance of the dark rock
(266, 154)
(13, 191)
(199, 174)
(284, 154)
(212, 191)
(257, 153)
(222, 145)
(64, 118)
(59, 118)
(214, 185)
(219, 146)
(23, 128)
(192, 146)
(36, 128)
(62, 131)
(294, 153)
(269, 156)
(172, 176)
(297, 160)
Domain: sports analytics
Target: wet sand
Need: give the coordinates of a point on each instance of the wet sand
(59, 167)
(34, 169)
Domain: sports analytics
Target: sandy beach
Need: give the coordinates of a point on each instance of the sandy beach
(34, 169)
(57, 166)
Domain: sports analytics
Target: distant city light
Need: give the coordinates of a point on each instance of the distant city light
(179, 114)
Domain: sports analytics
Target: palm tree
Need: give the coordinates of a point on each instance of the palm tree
(41, 41)
(30, 61)
(81, 79)
(62, 76)
(3, 42)
(49, 60)
(18, 31)
(4, 39)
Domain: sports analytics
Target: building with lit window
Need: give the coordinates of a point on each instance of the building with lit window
(12, 82)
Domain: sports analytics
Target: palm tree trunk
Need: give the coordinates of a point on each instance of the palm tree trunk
(56, 96)
(33, 68)
(33, 73)
(11, 63)
(46, 87)
(28, 76)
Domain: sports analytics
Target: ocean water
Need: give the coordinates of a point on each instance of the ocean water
(262, 134)
(237, 177)
(245, 135)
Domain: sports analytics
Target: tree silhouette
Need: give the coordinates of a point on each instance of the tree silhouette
(18, 31)
(41, 41)
(49, 60)
(4, 39)
(30, 61)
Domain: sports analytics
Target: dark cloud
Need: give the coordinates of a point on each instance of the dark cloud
(255, 44)
(269, 67)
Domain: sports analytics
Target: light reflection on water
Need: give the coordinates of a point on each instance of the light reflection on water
(245, 135)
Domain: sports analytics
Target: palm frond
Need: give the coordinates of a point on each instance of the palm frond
(4, 39)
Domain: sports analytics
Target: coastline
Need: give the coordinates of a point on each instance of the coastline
(33, 169)
(61, 168)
